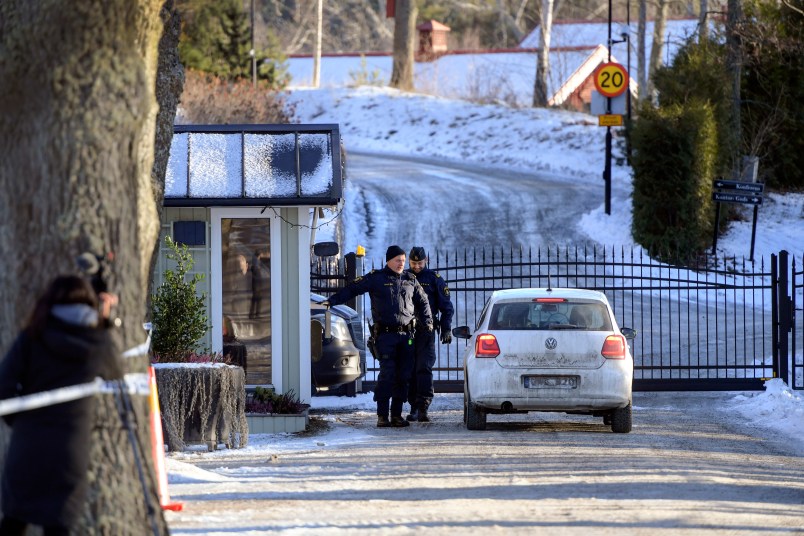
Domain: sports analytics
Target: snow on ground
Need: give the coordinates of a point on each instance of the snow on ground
(568, 145)
(778, 407)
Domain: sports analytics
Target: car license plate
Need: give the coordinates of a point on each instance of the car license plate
(551, 382)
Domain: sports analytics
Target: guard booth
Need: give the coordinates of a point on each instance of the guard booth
(244, 198)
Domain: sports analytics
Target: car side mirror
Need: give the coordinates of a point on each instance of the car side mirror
(326, 249)
(462, 332)
(629, 333)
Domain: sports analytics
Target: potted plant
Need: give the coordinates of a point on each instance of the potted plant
(270, 413)
(201, 396)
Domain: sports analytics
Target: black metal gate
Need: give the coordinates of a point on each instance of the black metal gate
(796, 324)
(716, 326)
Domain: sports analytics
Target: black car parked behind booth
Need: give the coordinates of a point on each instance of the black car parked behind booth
(341, 358)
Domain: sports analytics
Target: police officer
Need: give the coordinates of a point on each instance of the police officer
(397, 300)
(420, 391)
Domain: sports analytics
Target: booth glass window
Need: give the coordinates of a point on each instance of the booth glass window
(246, 263)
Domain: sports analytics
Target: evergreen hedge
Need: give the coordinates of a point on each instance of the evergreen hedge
(699, 73)
(674, 162)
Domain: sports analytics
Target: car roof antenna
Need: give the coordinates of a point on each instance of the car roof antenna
(549, 284)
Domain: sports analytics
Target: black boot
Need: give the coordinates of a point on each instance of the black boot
(383, 422)
(398, 422)
(422, 416)
(414, 415)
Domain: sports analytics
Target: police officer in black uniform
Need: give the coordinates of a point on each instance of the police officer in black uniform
(397, 300)
(420, 391)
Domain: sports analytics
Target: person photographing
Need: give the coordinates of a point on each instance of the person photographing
(66, 341)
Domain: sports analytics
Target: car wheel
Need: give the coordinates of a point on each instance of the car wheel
(621, 420)
(475, 417)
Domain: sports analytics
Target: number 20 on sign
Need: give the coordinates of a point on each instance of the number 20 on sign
(611, 79)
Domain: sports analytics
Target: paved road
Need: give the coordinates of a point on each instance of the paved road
(687, 468)
(447, 206)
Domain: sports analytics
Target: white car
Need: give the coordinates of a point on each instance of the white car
(539, 349)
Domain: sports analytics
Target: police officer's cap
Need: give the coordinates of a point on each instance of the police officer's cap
(417, 254)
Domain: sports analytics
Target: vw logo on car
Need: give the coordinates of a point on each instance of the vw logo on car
(550, 343)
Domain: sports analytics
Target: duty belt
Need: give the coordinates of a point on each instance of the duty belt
(394, 329)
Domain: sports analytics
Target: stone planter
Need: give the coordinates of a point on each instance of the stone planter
(202, 404)
(277, 423)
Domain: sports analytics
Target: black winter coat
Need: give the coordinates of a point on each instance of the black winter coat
(45, 475)
(438, 295)
(396, 299)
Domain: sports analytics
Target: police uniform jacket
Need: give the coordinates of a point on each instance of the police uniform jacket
(395, 298)
(438, 295)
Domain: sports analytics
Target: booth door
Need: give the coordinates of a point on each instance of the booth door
(245, 260)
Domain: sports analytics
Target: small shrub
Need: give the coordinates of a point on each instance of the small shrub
(266, 401)
(208, 99)
(364, 77)
(178, 313)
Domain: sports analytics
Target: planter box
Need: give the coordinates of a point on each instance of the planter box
(277, 423)
(202, 404)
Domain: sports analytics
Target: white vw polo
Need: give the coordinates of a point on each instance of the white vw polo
(556, 350)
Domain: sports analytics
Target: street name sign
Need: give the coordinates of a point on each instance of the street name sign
(728, 197)
(753, 187)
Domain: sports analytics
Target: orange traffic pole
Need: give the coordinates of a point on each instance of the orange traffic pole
(158, 446)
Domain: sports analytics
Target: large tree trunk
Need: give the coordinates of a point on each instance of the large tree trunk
(169, 87)
(543, 62)
(404, 42)
(77, 138)
(77, 134)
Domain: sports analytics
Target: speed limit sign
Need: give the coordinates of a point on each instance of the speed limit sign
(611, 79)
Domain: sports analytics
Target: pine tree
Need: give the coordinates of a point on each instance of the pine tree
(235, 43)
(216, 39)
(178, 314)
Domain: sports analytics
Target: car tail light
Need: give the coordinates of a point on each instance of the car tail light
(486, 346)
(614, 347)
(549, 300)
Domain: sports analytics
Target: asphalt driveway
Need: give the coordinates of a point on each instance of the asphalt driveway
(688, 467)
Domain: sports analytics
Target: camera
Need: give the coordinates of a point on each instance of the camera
(97, 268)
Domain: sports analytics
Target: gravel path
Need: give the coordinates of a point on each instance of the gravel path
(688, 467)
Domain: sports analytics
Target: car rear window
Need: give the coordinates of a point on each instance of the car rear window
(572, 315)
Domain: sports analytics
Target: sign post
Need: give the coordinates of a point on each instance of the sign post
(746, 193)
(611, 80)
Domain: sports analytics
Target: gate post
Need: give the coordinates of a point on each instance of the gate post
(350, 270)
(785, 318)
(774, 267)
